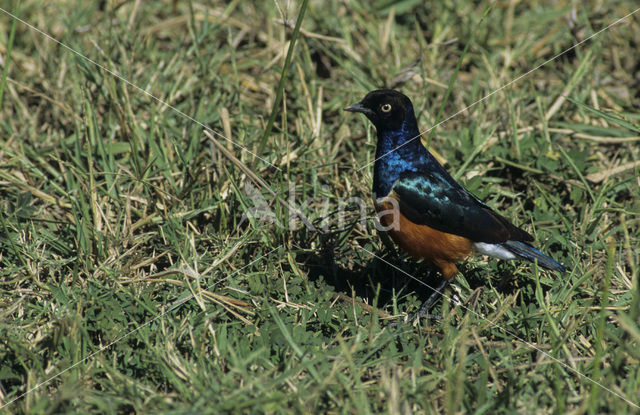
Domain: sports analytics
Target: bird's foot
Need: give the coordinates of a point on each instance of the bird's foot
(423, 312)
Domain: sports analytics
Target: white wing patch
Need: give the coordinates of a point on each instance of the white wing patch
(494, 250)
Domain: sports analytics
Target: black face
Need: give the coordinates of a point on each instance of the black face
(386, 108)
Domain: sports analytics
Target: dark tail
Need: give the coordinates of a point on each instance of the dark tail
(526, 251)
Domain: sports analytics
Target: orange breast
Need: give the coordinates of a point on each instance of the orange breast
(439, 249)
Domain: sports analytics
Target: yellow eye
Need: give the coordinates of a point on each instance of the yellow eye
(385, 108)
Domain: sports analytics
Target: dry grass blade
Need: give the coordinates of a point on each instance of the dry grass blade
(258, 181)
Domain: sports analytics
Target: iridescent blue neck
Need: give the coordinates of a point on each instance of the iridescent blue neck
(399, 151)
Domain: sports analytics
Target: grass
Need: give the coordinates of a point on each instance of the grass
(121, 222)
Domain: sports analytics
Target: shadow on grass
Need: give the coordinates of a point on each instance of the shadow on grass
(346, 272)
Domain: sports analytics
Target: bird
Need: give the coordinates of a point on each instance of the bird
(426, 211)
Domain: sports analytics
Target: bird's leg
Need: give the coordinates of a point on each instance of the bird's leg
(426, 306)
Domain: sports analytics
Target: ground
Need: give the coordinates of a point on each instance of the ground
(147, 267)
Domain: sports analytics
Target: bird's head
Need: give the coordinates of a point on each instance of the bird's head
(387, 109)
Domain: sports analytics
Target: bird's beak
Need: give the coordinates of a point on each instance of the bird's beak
(359, 108)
